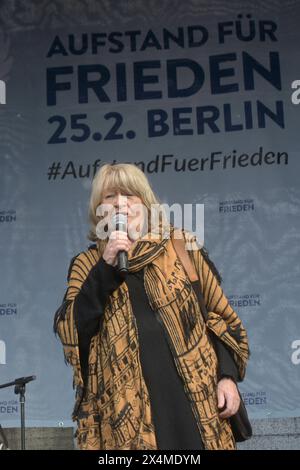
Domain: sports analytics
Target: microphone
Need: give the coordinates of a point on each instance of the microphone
(120, 223)
(24, 380)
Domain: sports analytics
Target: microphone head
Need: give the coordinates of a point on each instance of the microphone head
(119, 221)
(24, 380)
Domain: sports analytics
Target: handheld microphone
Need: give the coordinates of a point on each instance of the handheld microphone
(120, 223)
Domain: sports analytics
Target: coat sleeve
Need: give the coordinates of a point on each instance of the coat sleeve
(222, 319)
(78, 319)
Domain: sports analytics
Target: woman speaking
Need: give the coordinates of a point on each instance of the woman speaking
(146, 372)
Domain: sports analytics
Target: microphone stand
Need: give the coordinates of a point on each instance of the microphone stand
(20, 386)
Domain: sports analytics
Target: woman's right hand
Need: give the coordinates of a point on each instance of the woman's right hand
(118, 241)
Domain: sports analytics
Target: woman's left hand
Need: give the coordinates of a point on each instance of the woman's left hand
(228, 396)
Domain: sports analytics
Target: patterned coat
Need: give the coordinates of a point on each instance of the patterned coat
(113, 409)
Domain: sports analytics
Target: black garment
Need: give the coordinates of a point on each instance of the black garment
(89, 306)
(175, 424)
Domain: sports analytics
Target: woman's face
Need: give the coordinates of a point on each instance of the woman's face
(115, 201)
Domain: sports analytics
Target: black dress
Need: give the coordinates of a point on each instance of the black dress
(175, 424)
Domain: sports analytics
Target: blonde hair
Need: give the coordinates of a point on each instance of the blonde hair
(124, 177)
